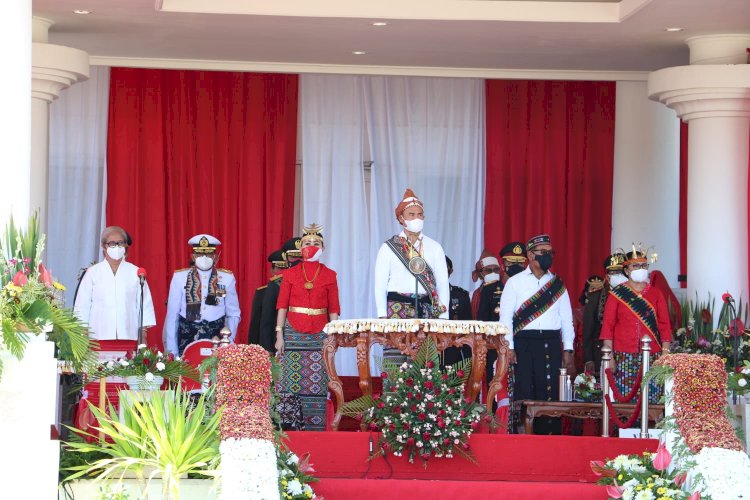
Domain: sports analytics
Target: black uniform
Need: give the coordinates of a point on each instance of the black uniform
(459, 309)
(489, 310)
(267, 335)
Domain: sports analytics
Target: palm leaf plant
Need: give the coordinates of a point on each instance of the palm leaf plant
(167, 434)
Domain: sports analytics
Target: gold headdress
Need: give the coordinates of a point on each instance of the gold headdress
(312, 232)
(640, 255)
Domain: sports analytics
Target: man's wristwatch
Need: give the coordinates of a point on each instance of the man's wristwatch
(568, 350)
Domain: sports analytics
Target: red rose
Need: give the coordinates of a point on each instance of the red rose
(436, 392)
(381, 404)
(429, 385)
(383, 375)
(170, 357)
(425, 456)
(727, 297)
(445, 376)
(373, 427)
(422, 416)
(409, 395)
(413, 407)
(410, 381)
(129, 355)
(449, 403)
(474, 425)
(441, 423)
(460, 373)
(458, 422)
(397, 409)
(446, 441)
(462, 413)
(410, 441)
(392, 427)
(451, 391)
(418, 397)
(426, 436)
(430, 365)
(146, 361)
(406, 426)
(441, 412)
(430, 405)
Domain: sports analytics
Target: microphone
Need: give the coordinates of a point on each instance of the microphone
(727, 298)
(141, 275)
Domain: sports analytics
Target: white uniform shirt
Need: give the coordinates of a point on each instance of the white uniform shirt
(109, 303)
(391, 275)
(228, 306)
(518, 289)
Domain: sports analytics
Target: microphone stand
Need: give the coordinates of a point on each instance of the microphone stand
(735, 344)
(416, 297)
(140, 314)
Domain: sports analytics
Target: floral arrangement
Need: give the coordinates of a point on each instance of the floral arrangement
(422, 411)
(722, 474)
(31, 301)
(146, 363)
(293, 475)
(586, 386)
(699, 399)
(248, 454)
(642, 477)
(739, 381)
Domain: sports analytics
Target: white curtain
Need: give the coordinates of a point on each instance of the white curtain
(332, 128)
(428, 134)
(77, 177)
(423, 133)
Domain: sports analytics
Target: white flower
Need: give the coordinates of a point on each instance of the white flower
(742, 382)
(110, 364)
(644, 495)
(149, 376)
(746, 371)
(292, 459)
(307, 489)
(159, 354)
(160, 366)
(294, 487)
(124, 362)
(141, 346)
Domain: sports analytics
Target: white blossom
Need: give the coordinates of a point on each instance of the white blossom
(149, 376)
(294, 487)
(160, 366)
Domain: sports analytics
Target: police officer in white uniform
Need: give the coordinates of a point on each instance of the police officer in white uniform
(202, 298)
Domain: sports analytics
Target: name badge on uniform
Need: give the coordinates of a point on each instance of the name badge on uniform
(221, 290)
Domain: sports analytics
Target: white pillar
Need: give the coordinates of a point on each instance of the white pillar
(54, 68)
(715, 99)
(15, 140)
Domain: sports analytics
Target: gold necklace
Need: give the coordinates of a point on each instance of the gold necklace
(308, 282)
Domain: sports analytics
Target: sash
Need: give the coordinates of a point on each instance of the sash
(537, 304)
(639, 306)
(426, 279)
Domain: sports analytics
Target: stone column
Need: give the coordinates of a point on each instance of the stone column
(54, 68)
(715, 100)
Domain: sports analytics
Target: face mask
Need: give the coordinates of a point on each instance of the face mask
(513, 269)
(414, 225)
(312, 253)
(204, 263)
(116, 253)
(639, 275)
(545, 261)
(489, 278)
(617, 279)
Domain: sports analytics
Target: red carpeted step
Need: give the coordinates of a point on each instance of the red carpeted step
(397, 489)
(499, 457)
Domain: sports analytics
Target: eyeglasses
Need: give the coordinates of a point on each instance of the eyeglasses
(639, 266)
(113, 244)
(544, 252)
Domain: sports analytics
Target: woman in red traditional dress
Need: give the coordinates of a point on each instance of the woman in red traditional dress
(634, 309)
(308, 299)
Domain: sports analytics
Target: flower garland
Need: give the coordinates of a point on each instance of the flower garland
(414, 325)
(422, 411)
(248, 454)
(699, 400)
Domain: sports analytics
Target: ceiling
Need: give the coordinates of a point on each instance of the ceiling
(317, 35)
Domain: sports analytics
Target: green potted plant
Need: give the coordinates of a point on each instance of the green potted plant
(31, 301)
(166, 435)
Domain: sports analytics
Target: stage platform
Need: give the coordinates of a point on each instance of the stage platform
(511, 466)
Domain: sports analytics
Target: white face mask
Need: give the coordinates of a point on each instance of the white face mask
(617, 279)
(639, 275)
(116, 253)
(414, 225)
(489, 278)
(204, 263)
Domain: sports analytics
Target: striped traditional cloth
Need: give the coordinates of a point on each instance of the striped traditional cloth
(627, 366)
(304, 375)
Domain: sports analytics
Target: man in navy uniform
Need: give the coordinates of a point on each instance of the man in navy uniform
(202, 298)
(291, 254)
(278, 264)
(458, 309)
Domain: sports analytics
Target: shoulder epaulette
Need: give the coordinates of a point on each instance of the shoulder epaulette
(224, 270)
(276, 277)
(180, 270)
(262, 287)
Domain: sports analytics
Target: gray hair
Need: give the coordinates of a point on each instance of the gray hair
(113, 229)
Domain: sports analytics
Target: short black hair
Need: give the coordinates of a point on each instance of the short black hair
(449, 262)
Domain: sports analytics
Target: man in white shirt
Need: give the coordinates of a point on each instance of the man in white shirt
(535, 307)
(411, 276)
(109, 295)
(202, 299)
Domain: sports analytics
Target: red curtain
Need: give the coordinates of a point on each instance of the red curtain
(199, 151)
(683, 202)
(550, 155)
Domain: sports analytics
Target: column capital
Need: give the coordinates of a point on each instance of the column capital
(55, 68)
(701, 91)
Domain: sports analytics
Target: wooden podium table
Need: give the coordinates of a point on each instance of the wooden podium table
(408, 335)
(533, 409)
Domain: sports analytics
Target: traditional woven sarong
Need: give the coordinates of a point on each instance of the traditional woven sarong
(627, 366)
(190, 331)
(304, 374)
(402, 307)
